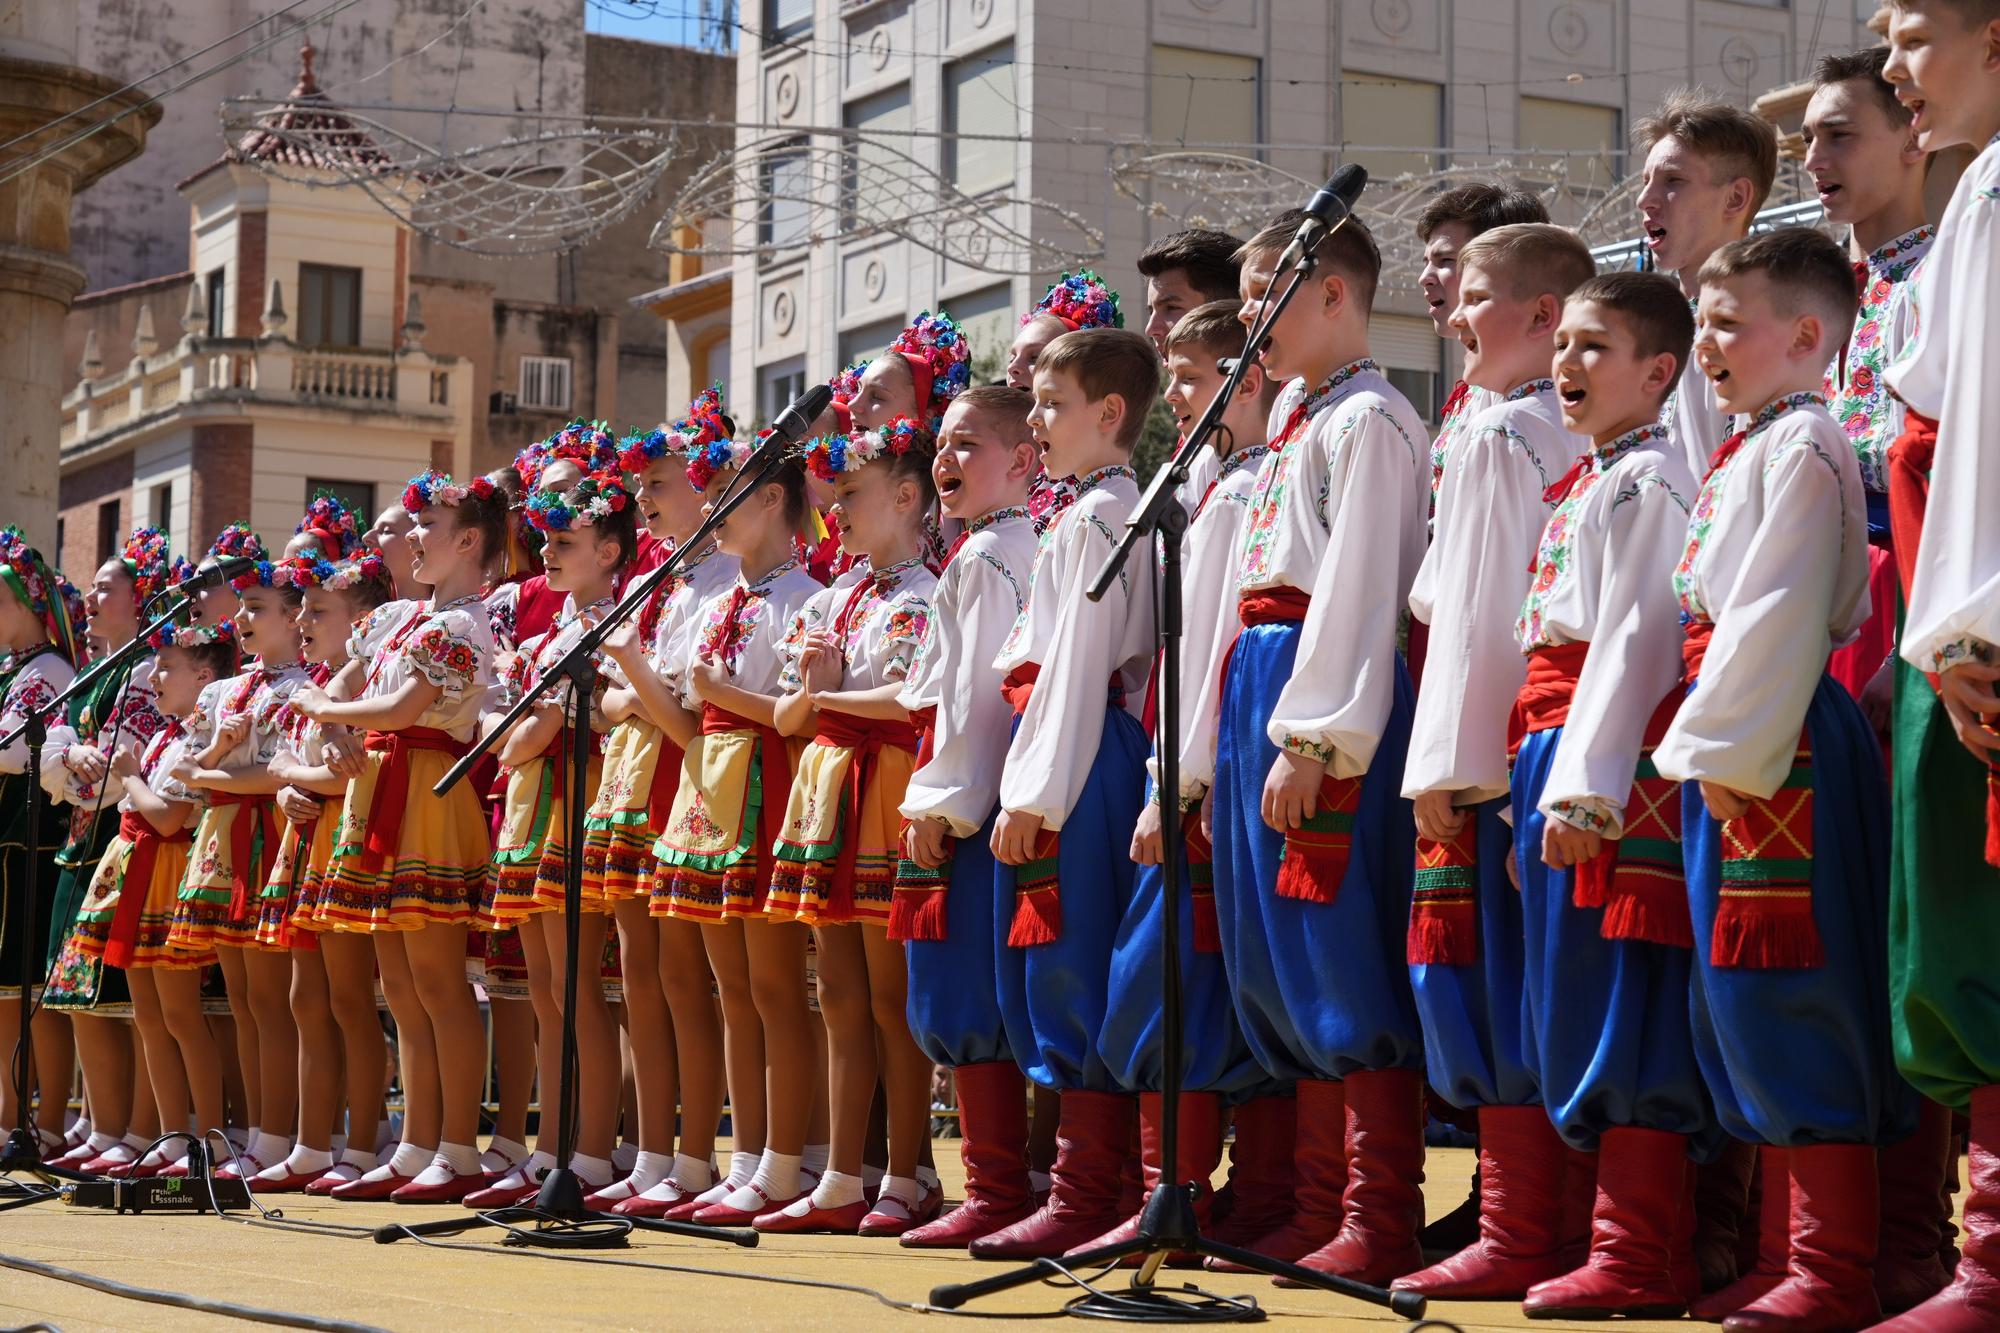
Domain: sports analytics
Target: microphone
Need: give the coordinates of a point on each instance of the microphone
(1331, 206)
(793, 424)
(214, 575)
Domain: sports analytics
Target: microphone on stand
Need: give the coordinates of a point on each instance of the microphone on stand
(794, 424)
(1331, 206)
(214, 575)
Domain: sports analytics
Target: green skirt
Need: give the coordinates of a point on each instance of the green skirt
(1944, 905)
(76, 980)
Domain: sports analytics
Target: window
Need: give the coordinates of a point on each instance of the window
(988, 319)
(786, 177)
(358, 496)
(163, 506)
(870, 176)
(785, 19)
(545, 382)
(870, 340)
(107, 530)
(778, 384)
(216, 285)
(329, 306)
(1378, 112)
(1419, 386)
(979, 99)
(1203, 96)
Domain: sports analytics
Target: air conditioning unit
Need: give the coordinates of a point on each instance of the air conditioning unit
(501, 403)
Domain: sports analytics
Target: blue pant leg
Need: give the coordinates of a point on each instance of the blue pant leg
(1799, 1056)
(1133, 1043)
(1053, 996)
(954, 1006)
(1475, 1016)
(1609, 1039)
(1321, 989)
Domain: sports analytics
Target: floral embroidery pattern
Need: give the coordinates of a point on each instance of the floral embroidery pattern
(1858, 397)
(1554, 557)
(1267, 506)
(1701, 518)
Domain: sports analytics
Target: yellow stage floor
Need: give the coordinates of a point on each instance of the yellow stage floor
(407, 1286)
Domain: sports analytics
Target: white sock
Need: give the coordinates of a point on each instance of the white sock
(502, 1156)
(593, 1173)
(692, 1174)
(462, 1158)
(299, 1161)
(409, 1158)
(927, 1178)
(900, 1193)
(777, 1176)
(136, 1141)
(119, 1152)
(649, 1170)
(358, 1158)
(98, 1142)
(271, 1148)
(835, 1190)
(742, 1167)
(624, 1157)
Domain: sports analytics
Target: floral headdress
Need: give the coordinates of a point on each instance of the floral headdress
(585, 443)
(332, 526)
(192, 636)
(237, 539)
(182, 571)
(1080, 301)
(588, 503)
(432, 487)
(145, 556)
(708, 459)
(306, 571)
(287, 573)
(940, 362)
(846, 385)
(703, 425)
(832, 455)
(55, 602)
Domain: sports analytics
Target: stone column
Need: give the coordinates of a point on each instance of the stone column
(37, 279)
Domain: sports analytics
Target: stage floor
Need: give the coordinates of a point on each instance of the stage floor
(408, 1286)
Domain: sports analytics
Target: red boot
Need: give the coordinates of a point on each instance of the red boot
(1578, 1198)
(1774, 1240)
(1383, 1208)
(1971, 1304)
(1198, 1144)
(1260, 1170)
(1091, 1140)
(1721, 1211)
(1318, 1168)
(993, 1116)
(1908, 1270)
(1829, 1284)
(1641, 1178)
(1521, 1168)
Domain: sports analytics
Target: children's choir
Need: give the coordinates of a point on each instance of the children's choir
(1611, 770)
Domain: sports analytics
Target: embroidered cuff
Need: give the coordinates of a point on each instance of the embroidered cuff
(1957, 653)
(1591, 817)
(1191, 794)
(1310, 748)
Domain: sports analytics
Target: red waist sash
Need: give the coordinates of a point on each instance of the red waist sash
(867, 737)
(1545, 696)
(1694, 646)
(1019, 686)
(258, 817)
(1272, 606)
(122, 940)
(392, 783)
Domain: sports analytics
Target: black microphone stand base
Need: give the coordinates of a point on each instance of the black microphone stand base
(20, 1152)
(1168, 1229)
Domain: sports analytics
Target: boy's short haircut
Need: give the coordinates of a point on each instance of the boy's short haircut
(1213, 328)
(1207, 256)
(1732, 140)
(1975, 13)
(1531, 259)
(1001, 404)
(1349, 250)
(1864, 67)
(1480, 206)
(1652, 306)
(1807, 270)
(1108, 361)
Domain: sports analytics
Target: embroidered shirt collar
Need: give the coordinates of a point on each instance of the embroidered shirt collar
(988, 519)
(762, 584)
(889, 576)
(1771, 411)
(1530, 389)
(1883, 256)
(1091, 480)
(1331, 386)
(1629, 441)
(1241, 459)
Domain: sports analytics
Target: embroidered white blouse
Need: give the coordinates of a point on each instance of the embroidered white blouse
(1490, 515)
(1457, 417)
(891, 608)
(1951, 374)
(132, 719)
(1776, 557)
(1079, 645)
(693, 584)
(1339, 513)
(1856, 391)
(1694, 420)
(978, 597)
(34, 685)
(265, 695)
(1604, 576)
(450, 647)
(756, 629)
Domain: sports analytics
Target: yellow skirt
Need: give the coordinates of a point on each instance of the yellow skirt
(319, 863)
(528, 854)
(217, 906)
(280, 923)
(715, 852)
(804, 883)
(438, 870)
(153, 946)
(641, 777)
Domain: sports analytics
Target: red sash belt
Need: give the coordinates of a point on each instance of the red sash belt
(666, 783)
(1201, 884)
(924, 720)
(1545, 696)
(1694, 646)
(1272, 606)
(774, 768)
(121, 943)
(259, 815)
(1019, 686)
(392, 783)
(867, 737)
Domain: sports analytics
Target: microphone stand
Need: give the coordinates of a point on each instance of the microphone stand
(1167, 1225)
(561, 1198)
(23, 1149)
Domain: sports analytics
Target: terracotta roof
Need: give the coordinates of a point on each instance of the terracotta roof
(336, 143)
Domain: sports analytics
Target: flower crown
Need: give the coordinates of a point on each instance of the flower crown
(237, 539)
(274, 574)
(145, 555)
(54, 600)
(332, 525)
(182, 571)
(306, 571)
(704, 461)
(432, 487)
(585, 443)
(832, 455)
(192, 636)
(940, 361)
(1081, 301)
(588, 503)
(702, 426)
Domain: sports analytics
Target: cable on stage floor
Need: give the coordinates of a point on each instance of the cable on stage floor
(183, 1301)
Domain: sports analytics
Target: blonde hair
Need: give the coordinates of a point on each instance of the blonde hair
(1732, 140)
(1531, 259)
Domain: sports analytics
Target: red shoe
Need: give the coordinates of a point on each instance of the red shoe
(1260, 1172)
(842, 1221)
(993, 1117)
(1382, 1209)
(365, 1190)
(1318, 1169)
(1641, 1180)
(685, 1210)
(1522, 1162)
(1908, 1270)
(1094, 1131)
(930, 1202)
(722, 1215)
(604, 1201)
(1829, 1285)
(1722, 1211)
(227, 1169)
(1198, 1146)
(641, 1206)
(456, 1189)
(136, 1170)
(1971, 1304)
(174, 1170)
(486, 1198)
(326, 1182)
(1774, 1241)
(293, 1182)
